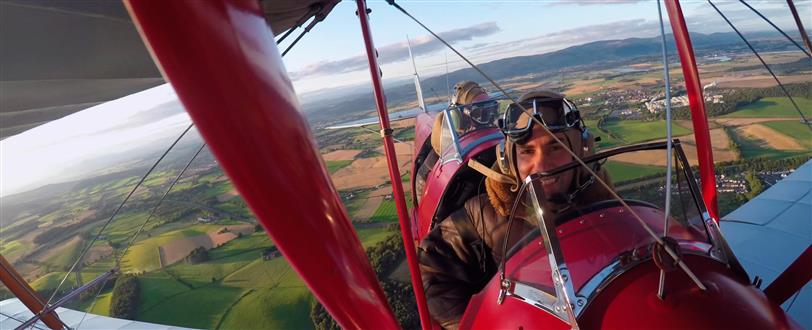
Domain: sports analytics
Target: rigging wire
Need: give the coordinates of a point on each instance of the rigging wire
(669, 153)
(315, 8)
(589, 170)
(806, 122)
(777, 28)
(316, 20)
(135, 236)
(120, 206)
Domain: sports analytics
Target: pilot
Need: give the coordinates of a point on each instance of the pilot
(460, 255)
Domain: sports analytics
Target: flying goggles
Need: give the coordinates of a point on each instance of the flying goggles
(556, 113)
(483, 112)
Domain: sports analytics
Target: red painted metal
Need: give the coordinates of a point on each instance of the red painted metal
(631, 301)
(442, 174)
(593, 241)
(697, 102)
(394, 172)
(792, 279)
(221, 58)
(20, 288)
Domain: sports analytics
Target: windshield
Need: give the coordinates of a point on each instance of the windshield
(460, 120)
(587, 241)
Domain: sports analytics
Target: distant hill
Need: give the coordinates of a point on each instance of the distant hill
(593, 55)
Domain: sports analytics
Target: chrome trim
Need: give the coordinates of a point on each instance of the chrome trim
(605, 276)
(537, 298)
(562, 280)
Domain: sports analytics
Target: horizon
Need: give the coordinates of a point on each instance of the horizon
(490, 37)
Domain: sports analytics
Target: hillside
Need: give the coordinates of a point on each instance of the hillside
(580, 57)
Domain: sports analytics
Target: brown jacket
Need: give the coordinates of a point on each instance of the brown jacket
(461, 255)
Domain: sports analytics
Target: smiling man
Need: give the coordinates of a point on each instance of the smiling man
(460, 255)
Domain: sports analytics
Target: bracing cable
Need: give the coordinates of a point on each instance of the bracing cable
(120, 206)
(316, 20)
(143, 224)
(565, 147)
(315, 8)
(805, 121)
(777, 28)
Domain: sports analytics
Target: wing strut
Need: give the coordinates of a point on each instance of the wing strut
(394, 171)
(20, 288)
(697, 104)
(243, 104)
(798, 22)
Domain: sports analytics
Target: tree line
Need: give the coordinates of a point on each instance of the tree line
(125, 299)
(385, 258)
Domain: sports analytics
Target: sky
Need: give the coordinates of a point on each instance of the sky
(48, 153)
(331, 55)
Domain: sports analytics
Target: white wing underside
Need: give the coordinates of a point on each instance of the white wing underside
(770, 231)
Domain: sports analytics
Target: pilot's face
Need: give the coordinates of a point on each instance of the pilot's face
(541, 154)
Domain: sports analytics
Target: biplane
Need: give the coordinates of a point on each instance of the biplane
(602, 266)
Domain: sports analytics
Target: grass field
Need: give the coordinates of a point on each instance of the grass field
(199, 275)
(387, 211)
(793, 129)
(156, 287)
(372, 236)
(774, 107)
(751, 148)
(143, 255)
(620, 171)
(200, 308)
(634, 131)
(606, 141)
(277, 308)
(65, 255)
(51, 280)
(335, 165)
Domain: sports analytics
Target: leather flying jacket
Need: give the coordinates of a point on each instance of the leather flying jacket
(460, 256)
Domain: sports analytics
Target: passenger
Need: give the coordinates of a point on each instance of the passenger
(460, 255)
(472, 108)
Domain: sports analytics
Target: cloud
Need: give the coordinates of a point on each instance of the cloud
(391, 53)
(565, 38)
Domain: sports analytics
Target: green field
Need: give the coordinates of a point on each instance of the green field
(200, 308)
(335, 165)
(387, 211)
(277, 308)
(634, 131)
(372, 236)
(751, 148)
(143, 255)
(774, 107)
(793, 129)
(620, 171)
